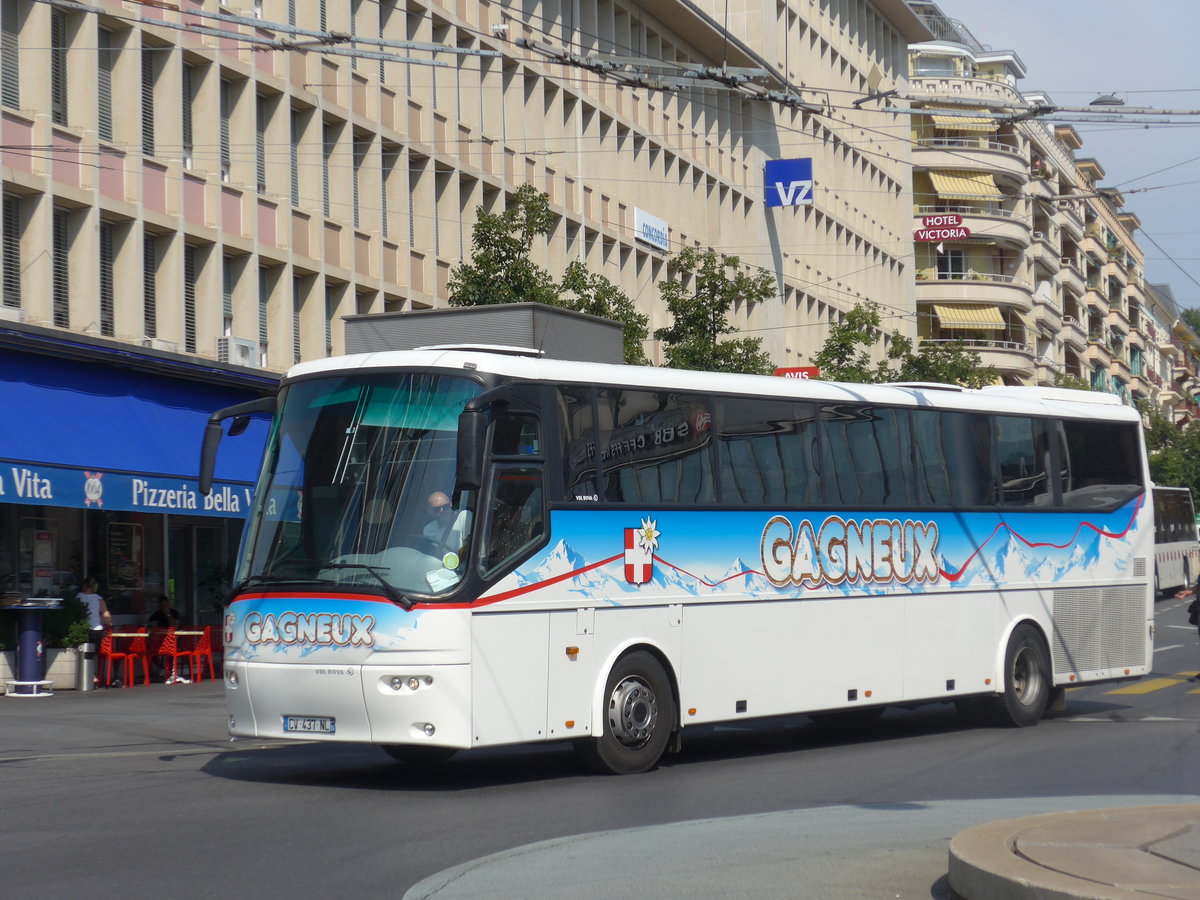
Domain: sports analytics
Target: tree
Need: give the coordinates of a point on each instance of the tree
(692, 341)
(594, 294)
(847, 355)
(1191, 318)
(1174, 451)
(501, 271)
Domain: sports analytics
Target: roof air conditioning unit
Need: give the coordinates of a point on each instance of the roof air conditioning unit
(12, 314)
(1039, 236)
(160, 344)
(238, 351)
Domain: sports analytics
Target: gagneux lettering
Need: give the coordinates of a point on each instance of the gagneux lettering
(339, 630)
(870, 550)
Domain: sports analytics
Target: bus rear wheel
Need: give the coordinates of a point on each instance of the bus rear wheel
(1027, 680)
(639, 716)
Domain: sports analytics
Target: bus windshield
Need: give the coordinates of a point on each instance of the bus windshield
(357, 487)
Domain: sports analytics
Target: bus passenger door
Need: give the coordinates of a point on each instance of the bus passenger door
(571, 674)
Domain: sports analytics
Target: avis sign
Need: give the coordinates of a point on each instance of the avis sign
(942, 227)
(789, 182)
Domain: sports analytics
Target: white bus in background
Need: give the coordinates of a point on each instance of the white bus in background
(627, 552)
(1176, 544)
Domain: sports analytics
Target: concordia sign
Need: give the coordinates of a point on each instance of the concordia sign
(943, 227)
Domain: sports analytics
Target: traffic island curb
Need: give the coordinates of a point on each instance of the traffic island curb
(1105, 854)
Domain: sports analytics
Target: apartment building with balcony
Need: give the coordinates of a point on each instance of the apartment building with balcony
(1050, 283)
(206, 188)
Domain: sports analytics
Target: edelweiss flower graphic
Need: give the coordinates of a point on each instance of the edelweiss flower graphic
(648, 535)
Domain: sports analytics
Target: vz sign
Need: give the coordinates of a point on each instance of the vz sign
(789, 182)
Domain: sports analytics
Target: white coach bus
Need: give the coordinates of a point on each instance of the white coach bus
(463, 547)
(1176, 546)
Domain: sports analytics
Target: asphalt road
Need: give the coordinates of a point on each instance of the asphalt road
(124, 793)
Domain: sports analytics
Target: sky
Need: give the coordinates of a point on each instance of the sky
(1145, 53)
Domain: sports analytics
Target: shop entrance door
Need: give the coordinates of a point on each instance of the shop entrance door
(200, 570)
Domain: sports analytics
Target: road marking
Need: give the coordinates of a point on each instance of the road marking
(1163, 719)
(1145, 687)
(1168, 647)
(1188, 627)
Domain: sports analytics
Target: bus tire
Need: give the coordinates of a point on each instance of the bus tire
(639, 718)
(1027, 682)
(418, 755)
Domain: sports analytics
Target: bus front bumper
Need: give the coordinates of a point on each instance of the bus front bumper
(380, 704)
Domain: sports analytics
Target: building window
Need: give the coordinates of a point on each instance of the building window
(150, 285)
(226, 114)
(297, 301)
(12, 250)
(264, 299)
(330, 311)
(148, 101)
(360, 151)
(10, 66)
(328, 143)
(107, 260)
(260, 142)
(228, 280)
(61, 286)
(190, 270)
(58, 66)
(294, 157)
(105, 60)
(387, 165)
(952, 263)
(187, 100)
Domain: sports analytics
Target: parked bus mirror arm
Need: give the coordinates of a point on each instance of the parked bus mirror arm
(212, 434)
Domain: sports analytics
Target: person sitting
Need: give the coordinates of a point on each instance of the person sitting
(447, 527)
(166, 616)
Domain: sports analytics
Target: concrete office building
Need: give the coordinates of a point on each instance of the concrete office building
(200, 192)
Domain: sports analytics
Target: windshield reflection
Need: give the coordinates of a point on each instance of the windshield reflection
(357, 487)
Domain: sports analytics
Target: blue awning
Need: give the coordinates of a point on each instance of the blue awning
(136, 429)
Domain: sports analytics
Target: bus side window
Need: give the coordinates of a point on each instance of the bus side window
(767, 451)
(579, 444)
(1102, 480)
(655, 447)
(1023, 451)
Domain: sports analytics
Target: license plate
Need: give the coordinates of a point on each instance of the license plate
(310, 724)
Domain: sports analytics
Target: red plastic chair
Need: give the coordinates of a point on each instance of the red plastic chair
(201, 649)
(132, 651)
(164, 645)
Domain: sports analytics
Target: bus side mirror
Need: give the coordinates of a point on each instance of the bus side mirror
(472, 434)
(213, 430)
(468, 468)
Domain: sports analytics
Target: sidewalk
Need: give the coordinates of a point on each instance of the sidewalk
(1149, 851)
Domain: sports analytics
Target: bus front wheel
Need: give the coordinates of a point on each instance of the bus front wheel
(639, 716)
(1027, 681)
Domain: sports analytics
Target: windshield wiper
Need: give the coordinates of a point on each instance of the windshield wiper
(271, 579)
(388, 588)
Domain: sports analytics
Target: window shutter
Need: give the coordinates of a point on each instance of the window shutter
(58, 66)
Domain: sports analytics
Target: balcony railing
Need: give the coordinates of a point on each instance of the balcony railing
(967, 143)
(994, 212)
(983, 344)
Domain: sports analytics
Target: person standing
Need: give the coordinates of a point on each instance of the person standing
(99, 617)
